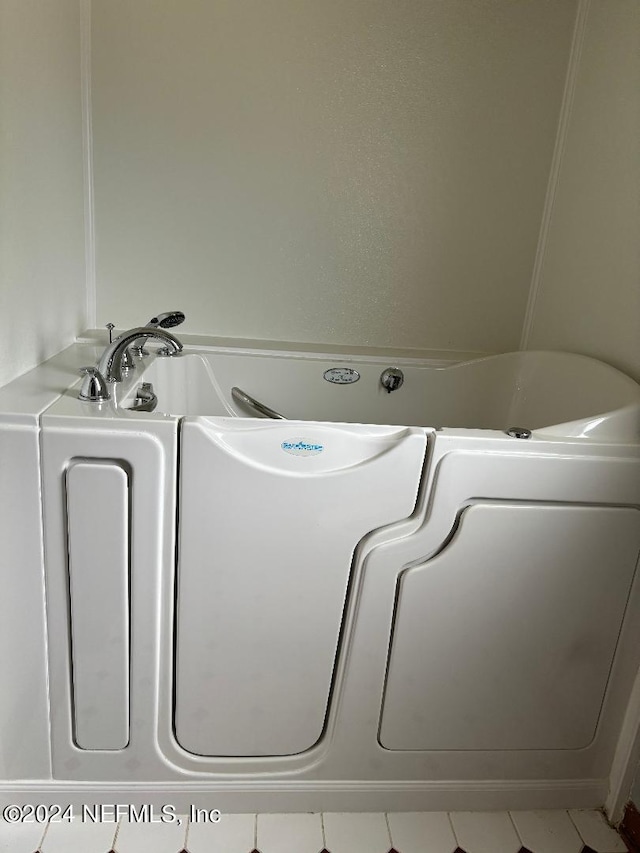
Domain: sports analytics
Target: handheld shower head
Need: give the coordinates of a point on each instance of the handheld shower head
(167, 320)
(163, 321)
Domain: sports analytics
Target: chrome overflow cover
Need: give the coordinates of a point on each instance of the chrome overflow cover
(391, 379)
(519, 432)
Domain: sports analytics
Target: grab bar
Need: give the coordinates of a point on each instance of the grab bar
(242, 397)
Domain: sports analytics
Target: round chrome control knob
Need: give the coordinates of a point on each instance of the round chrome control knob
(391, 379)
(519, 432)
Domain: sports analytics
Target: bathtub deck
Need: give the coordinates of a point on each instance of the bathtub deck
(575, 831)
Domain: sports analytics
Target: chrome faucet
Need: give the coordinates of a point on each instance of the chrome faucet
(110, 364)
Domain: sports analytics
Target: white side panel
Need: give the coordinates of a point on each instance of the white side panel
(98, 544)
(506, 639)
(146, 452)
(24, 716)
(268, 527)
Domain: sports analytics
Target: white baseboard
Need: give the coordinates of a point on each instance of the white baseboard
(272, 796)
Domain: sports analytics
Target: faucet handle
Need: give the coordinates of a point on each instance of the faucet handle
(110, 327)
(128, 364)
(94, 388)
(138, 350)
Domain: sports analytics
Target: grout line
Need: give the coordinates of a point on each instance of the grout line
(324, 837)
(255, 832)
(44, 835)
(186, 833)
(513, 823)
(115, 835)
(584, 840)
(386, 820)
(453, 829)
(566, 109)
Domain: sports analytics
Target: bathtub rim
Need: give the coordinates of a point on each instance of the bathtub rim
(52, 387)
(617, 425)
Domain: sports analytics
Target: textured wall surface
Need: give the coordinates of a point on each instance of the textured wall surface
(42, 259)
(42, 308)
(589, 299)
(350, 171)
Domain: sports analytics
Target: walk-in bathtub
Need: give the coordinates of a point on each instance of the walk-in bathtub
(553, 393)
(381, 600)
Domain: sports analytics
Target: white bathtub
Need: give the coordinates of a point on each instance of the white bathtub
(554, 393)
(382, 602)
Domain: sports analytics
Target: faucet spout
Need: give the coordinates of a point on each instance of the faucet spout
(110, 364)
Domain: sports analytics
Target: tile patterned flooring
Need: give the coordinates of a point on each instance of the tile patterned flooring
(556, 831)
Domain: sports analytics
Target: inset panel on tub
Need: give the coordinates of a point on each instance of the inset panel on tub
(270, 515)
(506, 639)
(98, 542)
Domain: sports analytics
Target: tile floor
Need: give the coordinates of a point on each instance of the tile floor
(572, 831)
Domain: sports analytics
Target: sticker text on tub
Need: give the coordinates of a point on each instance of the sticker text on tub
(302, 447)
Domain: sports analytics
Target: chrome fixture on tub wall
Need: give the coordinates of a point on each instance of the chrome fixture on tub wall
(167, 320)
(94, 388)
(110, 364)
(145, 399)
(391, 379)
(118, 357)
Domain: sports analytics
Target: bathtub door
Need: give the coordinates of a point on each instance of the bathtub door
(505, 640)
(270, 515)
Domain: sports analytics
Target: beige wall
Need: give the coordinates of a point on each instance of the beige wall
(345, 171)
(42, 259)
(589, 296)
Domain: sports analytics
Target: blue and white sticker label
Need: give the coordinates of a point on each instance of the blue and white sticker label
(302, 447)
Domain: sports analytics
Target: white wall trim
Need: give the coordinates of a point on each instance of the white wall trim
(566, 109)
(329, 795)
(87, 140)
(625, 759)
